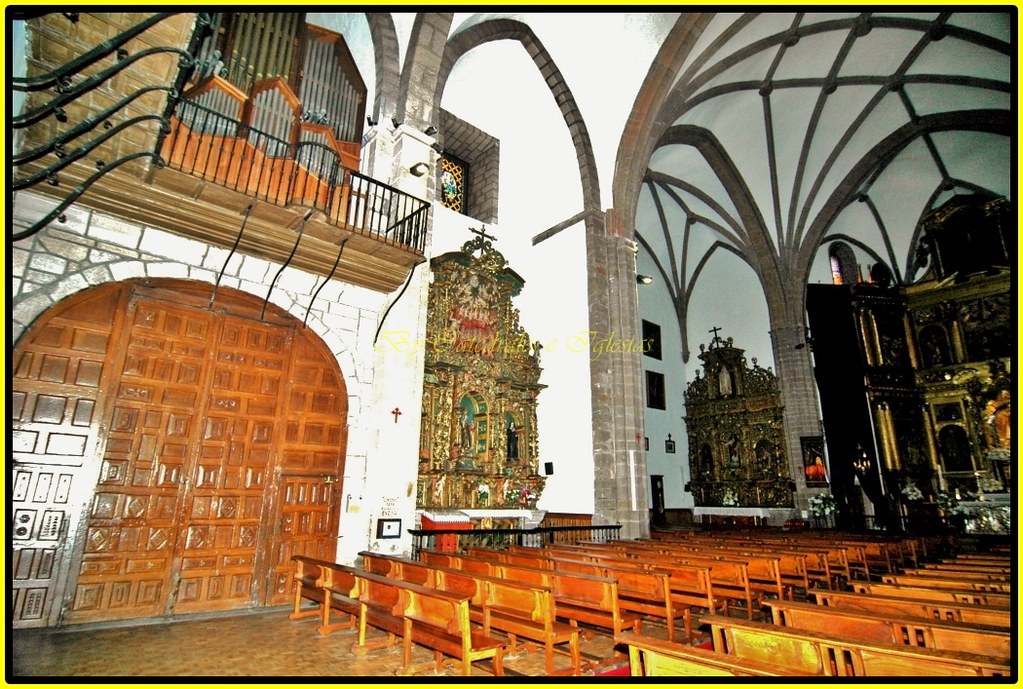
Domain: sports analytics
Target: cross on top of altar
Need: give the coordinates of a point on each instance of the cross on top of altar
(716, 340)
(482, 243)
(482, 232)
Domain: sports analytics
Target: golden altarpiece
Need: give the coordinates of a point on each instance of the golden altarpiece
(478, 453)
(737, 457)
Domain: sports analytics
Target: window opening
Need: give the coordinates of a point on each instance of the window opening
(454, 174)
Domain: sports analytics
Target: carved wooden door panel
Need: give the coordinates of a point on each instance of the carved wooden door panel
(169, 457)
(312, 465)
(224, 505)
(56, 400)
(133, 525)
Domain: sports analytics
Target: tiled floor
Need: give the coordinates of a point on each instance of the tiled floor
(253, 644)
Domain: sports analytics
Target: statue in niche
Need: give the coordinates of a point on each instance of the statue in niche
(733, 451)
(724, 382)
(467, 439)
(512, 441)
(466, 426)
(998, 416)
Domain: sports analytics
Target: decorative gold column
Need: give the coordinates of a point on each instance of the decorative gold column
(889, 447)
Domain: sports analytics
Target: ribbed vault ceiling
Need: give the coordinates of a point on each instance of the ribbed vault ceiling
(789, 130)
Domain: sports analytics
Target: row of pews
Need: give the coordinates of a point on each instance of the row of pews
(893, 610)
(774, 604)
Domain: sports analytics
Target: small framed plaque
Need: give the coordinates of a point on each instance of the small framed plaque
(388, 528)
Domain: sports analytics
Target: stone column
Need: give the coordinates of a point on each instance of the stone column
(799, 397)
(616, 379)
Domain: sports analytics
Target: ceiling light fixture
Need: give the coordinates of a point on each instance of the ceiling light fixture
(430, 131)
(419, 169)
(644, 279)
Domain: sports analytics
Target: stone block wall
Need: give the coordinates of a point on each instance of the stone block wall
(91, 248)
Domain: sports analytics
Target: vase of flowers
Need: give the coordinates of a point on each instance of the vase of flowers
(482, 495)
(822, 506)
(911, 492)
(729, 499)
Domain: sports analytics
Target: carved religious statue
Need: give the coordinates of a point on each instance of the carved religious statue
(478, 444)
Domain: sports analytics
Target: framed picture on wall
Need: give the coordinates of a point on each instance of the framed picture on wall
(669, 446)
(814, 470)
(388, 528)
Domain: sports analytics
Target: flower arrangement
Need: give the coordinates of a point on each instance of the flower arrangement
(823, 504)
(949, 503)
(483, 491)
(521, 497)
(911, 492)
(729, 499)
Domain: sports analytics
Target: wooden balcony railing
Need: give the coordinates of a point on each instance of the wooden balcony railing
(309, 172)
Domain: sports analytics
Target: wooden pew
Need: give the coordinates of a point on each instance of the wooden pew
(885, 628)
(652, 657)
(306, 581)
(640, 590)
(950, 611)
(331, 586)
(945, 576)
(506, 605)
(440, 621)
(826, 654)
(729, 579)
(961, 595)
(419, 615)
(978, 568)
(578, 598)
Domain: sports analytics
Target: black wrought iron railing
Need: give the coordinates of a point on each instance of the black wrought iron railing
(459, 540)
(72, 85)
(192, 139)
(210, 145)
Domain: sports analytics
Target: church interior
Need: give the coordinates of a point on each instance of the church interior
(511, 343)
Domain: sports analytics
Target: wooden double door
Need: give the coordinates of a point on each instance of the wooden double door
(172, 451)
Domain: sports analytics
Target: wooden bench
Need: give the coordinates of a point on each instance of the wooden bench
(652, 657)
(689, 585)
(950, 611)
(641, 590)
(729, 579)
(432, 618)
(886, 628)
(579, 597)
(592, 600)
(978, 568)
(331, 586)
(960, 595)
(826, 654)
(306, 580)
(506, 605)
(440, 621)
(944, 577)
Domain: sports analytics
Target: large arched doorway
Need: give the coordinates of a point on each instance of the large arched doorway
(173, 447)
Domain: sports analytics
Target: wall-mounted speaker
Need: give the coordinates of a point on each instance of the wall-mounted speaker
(548, 468)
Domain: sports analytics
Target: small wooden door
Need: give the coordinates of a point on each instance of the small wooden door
(197, 424)
(657, 515)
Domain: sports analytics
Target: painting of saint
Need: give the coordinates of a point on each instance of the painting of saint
(814, 470)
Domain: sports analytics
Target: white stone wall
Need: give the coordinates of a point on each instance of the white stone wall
(90, 248)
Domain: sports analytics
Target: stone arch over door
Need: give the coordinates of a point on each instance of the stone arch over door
(173, 446)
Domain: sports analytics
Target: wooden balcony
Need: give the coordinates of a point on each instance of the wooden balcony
(287, 191)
